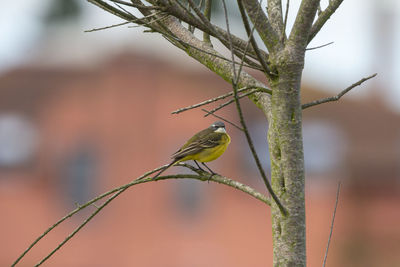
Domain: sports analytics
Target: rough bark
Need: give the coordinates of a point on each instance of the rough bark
(287, 165)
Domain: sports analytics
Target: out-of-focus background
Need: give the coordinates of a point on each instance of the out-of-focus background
(82, 113)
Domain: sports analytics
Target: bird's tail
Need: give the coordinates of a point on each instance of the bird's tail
(165, 168)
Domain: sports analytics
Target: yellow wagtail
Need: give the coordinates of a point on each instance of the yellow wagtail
(205, 146)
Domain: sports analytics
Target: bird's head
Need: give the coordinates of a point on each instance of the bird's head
(218, 127)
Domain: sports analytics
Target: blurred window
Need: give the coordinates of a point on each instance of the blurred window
(189, 197)
(18, 140)
(78, 174)
(324, 147)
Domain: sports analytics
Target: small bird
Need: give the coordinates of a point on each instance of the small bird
(205, 146)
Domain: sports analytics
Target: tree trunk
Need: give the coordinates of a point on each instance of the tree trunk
(287, 162)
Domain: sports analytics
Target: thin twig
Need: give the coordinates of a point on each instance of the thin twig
(127, 16)
(253, 66)
(123, 3)
(177, 10)
(231, 49)
(316, 47)
(135, 5)
(81, 207)
(81, 226)
(323, 18)
(204, 177)
(190, 26)
(221, 118)
(108, 27)
(204, 19)
(231, 101)
(332, 223)
(338, 96)
(210, 100)
(159, 19)
(250, 37)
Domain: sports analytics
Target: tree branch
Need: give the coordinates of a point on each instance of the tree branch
(131, 4)
(323, 18)
(206, 26)
(262, 24)
(302, 25)
(108, 27)
(202, 176)
(198, 50)
(230, 102)
(320, 46)
(333, 221)
(218, 66)
(338, 96)
(274, 10)
(207, 14)
(209, 101)
(285, 20)
(128, 16)
(250, 64)
(251, 38)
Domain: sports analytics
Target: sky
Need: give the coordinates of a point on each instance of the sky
(364, 43)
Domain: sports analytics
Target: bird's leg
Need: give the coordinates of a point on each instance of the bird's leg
(212, 172)
(198, 166)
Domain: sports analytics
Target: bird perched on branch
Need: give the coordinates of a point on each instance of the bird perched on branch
(207, 145)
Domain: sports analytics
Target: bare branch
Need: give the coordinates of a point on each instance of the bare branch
(135, 5)
(285, 21)
(267, 33)
(251, 38)
(126, 15)
(302, 25)
(108, 27)
(207, 14)
(338, 96)
(203, 18)
(274, 10)
(203, 176)
(218, 66)
(320, 46)
(210, 100)
(323, 18)
(80, 226)
(251, 64)
(231, 48)
(110, 9)
(332, 223)
(230, 102)
(183, 14)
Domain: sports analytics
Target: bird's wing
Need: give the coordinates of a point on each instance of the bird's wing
(209, 141)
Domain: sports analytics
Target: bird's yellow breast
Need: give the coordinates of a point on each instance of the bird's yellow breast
(211, 154)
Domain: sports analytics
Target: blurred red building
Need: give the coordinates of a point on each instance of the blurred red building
(67, 135)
